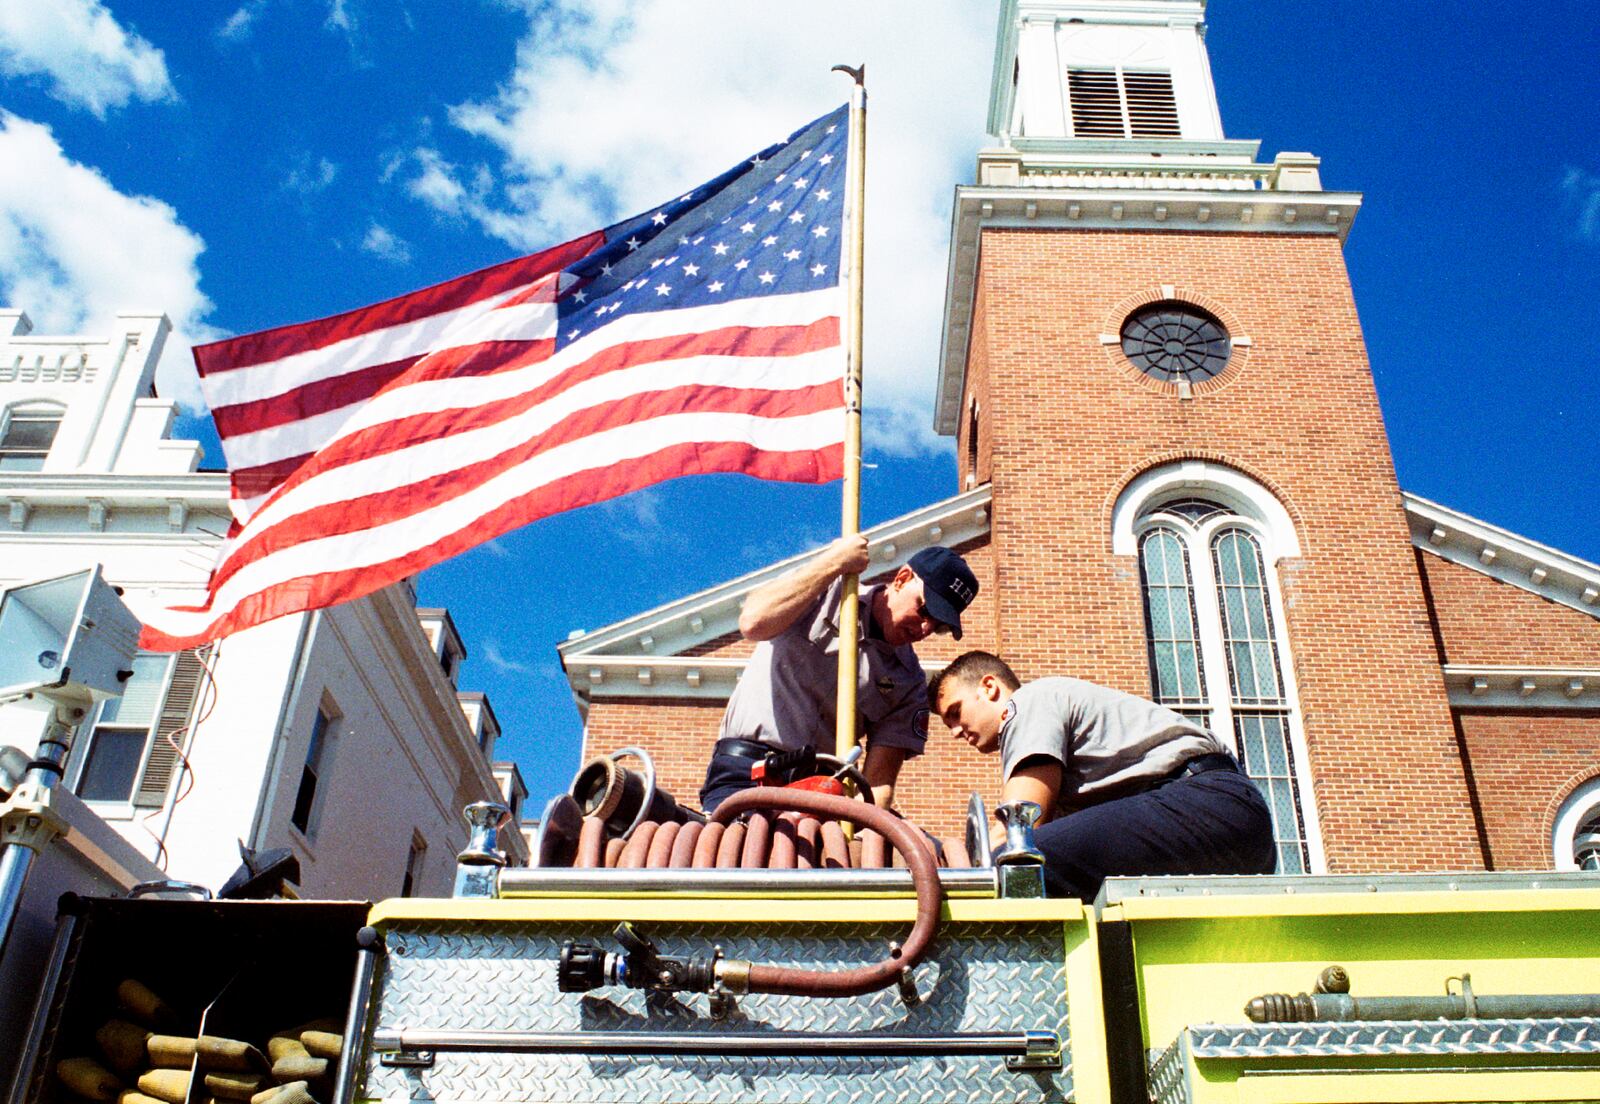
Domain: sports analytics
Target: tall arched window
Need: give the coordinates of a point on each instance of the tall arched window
(1214, 628)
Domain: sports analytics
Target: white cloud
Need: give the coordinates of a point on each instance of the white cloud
(636, 519)
(308, 178)
(339, 17)
(382, 242)
(87, 56)
(436, 184)
(74, 251)
(500, 662)
(241, 24)
(1582, 193)
(615, 105)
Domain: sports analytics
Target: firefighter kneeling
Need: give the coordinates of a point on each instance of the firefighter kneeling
(1147, 790)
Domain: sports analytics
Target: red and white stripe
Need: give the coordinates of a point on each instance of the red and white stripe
(485, 427)
(279, 395)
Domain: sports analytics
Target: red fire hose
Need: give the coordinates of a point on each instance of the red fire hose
(924, 877)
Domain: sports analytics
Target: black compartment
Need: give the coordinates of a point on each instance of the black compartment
(242, 968)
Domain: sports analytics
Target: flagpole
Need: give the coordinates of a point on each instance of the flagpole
(849, 620)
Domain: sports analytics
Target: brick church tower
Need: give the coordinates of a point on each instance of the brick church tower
(1152, 355)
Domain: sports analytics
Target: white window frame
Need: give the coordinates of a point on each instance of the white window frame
(33, 408)
(84, 748)
(1258, 512)
(1580, 805)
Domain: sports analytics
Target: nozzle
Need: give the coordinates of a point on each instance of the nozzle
(583, 967)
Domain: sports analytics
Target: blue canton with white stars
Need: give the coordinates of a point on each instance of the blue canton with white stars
(769, 226)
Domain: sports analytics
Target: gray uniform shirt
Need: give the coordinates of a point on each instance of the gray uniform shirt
(1106, 741)
(786, 696)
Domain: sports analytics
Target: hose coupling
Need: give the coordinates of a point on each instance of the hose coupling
(1281, 1008)
(733, 974)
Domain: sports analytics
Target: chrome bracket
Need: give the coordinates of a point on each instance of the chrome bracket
(1044, 1053)
(407, 1059)
(1021, 880)
(481, 882)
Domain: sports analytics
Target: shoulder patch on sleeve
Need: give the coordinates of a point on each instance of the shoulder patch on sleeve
(919, 723)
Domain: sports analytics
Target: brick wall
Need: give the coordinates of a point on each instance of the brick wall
(1524, 764)
(678, 735)
(1072, 423)
(1482, 620)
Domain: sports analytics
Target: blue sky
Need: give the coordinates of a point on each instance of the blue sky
(244, 166)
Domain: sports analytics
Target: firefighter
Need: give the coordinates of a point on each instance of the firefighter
(785, 700)
(1127, 786)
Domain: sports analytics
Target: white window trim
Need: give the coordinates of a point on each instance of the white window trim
(83, 747)
(1231, 488)
(35, 408)
(1580, 804)
(1259, 513)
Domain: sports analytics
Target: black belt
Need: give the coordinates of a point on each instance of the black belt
(1219, 760)
(741, 748)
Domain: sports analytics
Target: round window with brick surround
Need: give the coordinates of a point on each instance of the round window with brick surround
(1172, 341)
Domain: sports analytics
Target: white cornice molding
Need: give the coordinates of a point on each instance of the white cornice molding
(674, 628)
(1500, 554)
(1479, 686)
(629, 676)
(71, 488)
(1240, 208)
(657, 678)
(396, 620)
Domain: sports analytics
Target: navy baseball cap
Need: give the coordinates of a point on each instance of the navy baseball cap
(948, 584)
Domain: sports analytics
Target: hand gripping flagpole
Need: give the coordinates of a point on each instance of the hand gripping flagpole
(849, 627)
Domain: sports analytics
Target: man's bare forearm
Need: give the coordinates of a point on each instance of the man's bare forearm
(882, 771)
(772, 608)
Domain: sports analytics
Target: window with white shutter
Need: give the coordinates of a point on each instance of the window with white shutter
(132, 751)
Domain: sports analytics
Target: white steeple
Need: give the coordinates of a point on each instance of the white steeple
(1103, 69)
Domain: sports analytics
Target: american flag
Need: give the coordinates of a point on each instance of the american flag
(700, 336)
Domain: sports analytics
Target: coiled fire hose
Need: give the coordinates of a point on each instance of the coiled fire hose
(584, 966)
(924, 878)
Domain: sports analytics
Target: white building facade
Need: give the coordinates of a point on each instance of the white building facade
(338, 734)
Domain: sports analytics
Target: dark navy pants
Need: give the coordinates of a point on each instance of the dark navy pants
(1210, 823)
(726, 775)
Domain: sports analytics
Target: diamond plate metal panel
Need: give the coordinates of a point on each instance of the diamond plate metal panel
(1577, 1036)
(980, 977)
(1169, 1075)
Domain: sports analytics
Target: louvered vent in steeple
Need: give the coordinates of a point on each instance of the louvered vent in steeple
(1113, 103)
